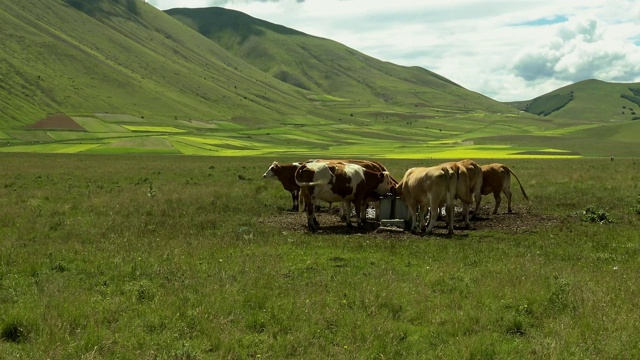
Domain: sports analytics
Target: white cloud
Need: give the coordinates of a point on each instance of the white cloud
(504, 49)
(579, 50)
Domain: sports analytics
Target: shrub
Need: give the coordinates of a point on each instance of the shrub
(636, 208)
(593, 215)
(14, 331)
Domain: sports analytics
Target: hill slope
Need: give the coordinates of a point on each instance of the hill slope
(589, 100)
(125, 57)
(325, 66)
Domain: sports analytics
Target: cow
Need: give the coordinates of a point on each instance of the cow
(423, 187)
(339, 182)
(468, 185)
(374, 199)
(285, 174)
(496, 178)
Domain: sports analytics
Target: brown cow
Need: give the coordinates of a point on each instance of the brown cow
(423, 187)
(496, 178)
(468, 186)
(339, 182)
(285, 173)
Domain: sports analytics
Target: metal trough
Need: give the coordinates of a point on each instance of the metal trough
(394, 214)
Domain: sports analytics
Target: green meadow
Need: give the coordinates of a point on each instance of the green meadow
(145, 256)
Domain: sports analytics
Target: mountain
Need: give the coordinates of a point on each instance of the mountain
(588, 100)
(325, 66)
(120, 76)
(124, 56)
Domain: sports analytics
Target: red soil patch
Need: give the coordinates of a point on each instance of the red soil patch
(57, 122)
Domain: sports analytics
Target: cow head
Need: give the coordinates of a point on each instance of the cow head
(271, 171)
(386, 183)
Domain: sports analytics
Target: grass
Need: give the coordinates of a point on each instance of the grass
(145, 256)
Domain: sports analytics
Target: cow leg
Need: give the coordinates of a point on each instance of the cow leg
(507, 192)
(476, 211)
(294, 199)
(498, 199)
(412, 207)
(358, 209)
(363, 210)
(450, 215)
(302, 199)
(346, 206)
(433, 215)
(376, 209)
(425, 216)
(344, 214)
(312, 222)
(465, 214)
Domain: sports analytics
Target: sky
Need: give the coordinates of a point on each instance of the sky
(507, 50)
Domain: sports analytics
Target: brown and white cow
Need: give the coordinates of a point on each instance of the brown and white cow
(373, 199)
(468, 185)
(428, 187)
(339, 182)
(285, 173)
(496, 178)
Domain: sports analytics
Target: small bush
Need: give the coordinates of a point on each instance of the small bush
(636, 208)
(593, 215)
(15, 332)
(516, 327)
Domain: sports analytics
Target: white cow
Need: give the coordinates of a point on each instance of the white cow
(339, 182)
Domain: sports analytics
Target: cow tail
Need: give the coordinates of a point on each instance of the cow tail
(449, 173)
(521, 188)
(397, 190)
(312, 183)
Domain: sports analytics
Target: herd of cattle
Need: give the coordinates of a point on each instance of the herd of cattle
(423, 189)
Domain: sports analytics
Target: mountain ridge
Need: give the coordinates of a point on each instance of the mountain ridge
(323, 65)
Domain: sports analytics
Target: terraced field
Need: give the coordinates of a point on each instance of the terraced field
(365, 134)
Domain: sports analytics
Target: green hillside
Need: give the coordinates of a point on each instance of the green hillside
(123, 57)
(589, 100)
(325, 66)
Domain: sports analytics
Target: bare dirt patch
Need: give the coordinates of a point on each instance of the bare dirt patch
(520, 221)
(57, 122)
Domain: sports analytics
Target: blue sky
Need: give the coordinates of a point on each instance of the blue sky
(507, 50)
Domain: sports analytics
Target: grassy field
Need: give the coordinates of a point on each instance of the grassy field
(194, 257)
(475, 134)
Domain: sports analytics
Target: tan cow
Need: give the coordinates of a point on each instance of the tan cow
(339, 182)
(423, 187)
(496, 178)
(468, 186)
